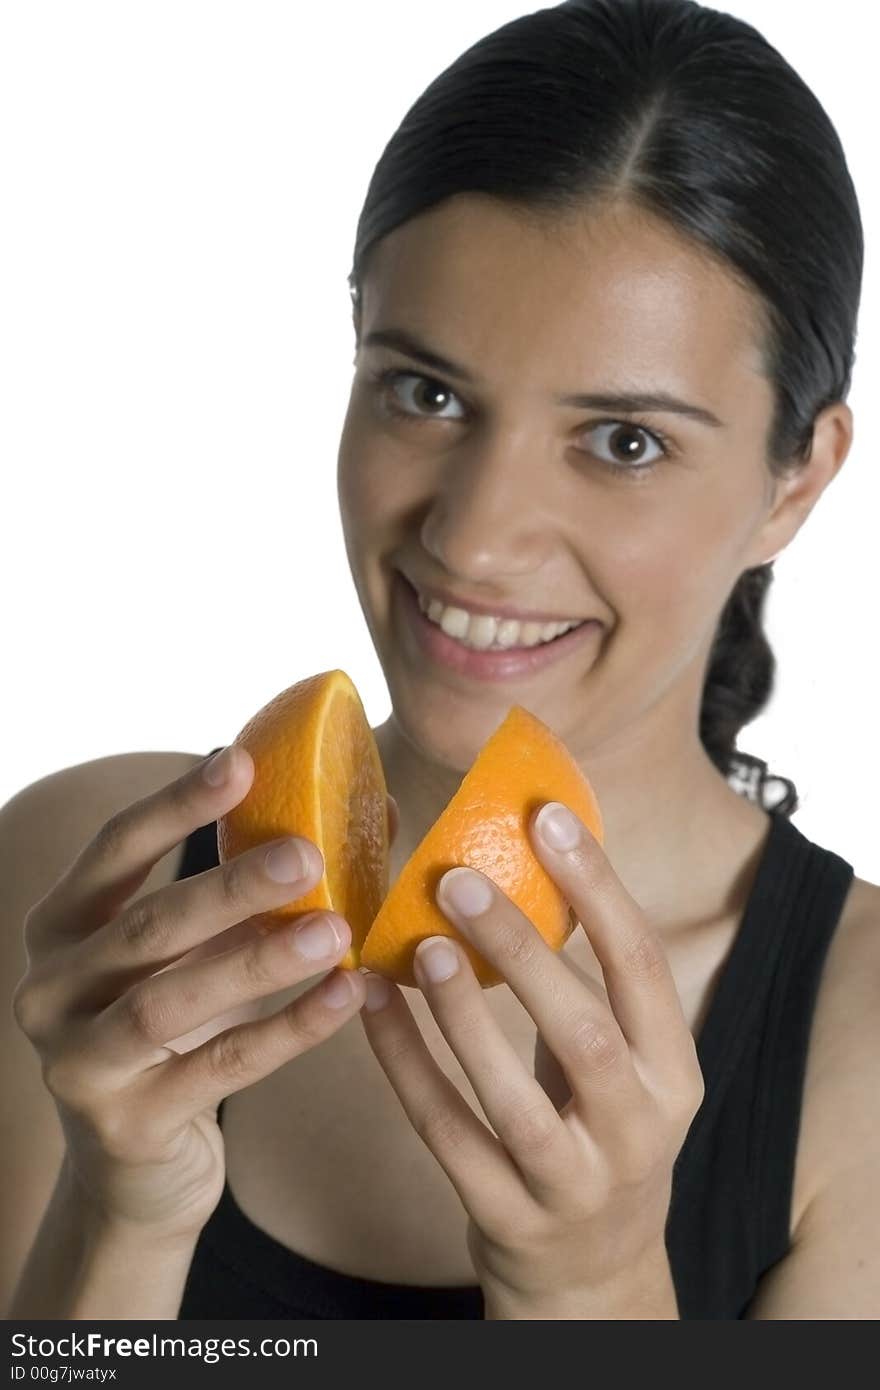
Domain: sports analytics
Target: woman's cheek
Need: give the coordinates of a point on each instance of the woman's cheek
(666, 582)
(693, 555)
(363, 477)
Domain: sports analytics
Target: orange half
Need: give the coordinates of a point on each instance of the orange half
(485, 826)
(317, 773)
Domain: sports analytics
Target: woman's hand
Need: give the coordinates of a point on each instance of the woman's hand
(568, 1201)
(101, 1007)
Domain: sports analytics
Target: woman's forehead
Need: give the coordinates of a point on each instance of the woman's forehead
(614, 294)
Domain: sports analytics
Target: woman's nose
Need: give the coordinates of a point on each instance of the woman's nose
(488, 517)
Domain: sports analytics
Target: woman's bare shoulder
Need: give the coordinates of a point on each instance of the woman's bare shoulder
(45, 824)
(846, 1002)
(842, 1056)
(107, 778)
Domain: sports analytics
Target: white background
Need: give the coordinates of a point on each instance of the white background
(181, 183)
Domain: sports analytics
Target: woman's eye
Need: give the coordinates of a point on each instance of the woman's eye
(419, 396)
(420, 399)
(626, 445)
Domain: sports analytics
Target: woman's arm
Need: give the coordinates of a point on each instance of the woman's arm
(79, 1267)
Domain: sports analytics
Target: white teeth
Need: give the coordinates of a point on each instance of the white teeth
(508, 632)
(482, 632)
(478, 632)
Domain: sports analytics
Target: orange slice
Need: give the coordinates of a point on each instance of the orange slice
(485, 825)
(318, 774)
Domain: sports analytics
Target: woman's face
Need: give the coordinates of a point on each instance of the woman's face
(485, 486)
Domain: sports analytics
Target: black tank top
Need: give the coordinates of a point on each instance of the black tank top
(730, 1213)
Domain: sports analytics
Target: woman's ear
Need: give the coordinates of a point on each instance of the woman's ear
(796, 495)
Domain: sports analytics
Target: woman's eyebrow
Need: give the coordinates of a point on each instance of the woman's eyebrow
(626, 401)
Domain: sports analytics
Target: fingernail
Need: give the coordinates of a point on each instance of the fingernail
(378, 993)
(318, 937)
(466, 891)
(287, 862)
(336, 990)
(217, 769)
(557, 827)
(437, 959)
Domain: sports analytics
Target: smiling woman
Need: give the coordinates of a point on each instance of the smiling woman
(601, 374)
(600, 382)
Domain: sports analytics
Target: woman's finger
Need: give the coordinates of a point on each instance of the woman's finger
(205, 914)
(163, 926)
(238, 1057)
(580, 1030)
(173, 1003)
(516, 1106)
(473, 1158)
(116, 861)
(638, 978)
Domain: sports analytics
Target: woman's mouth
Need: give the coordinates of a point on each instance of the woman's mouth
(492, 663)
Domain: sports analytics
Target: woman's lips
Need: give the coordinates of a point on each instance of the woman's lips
(512, 664)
